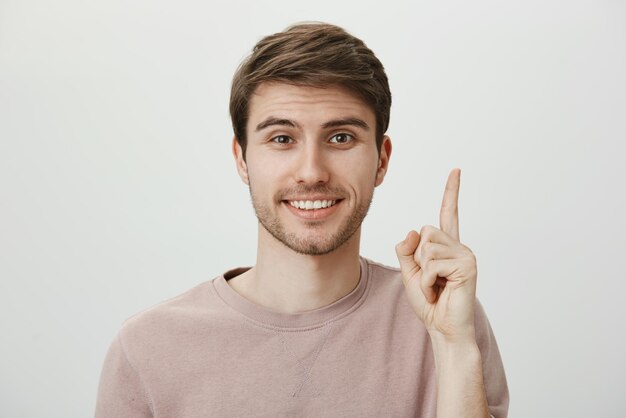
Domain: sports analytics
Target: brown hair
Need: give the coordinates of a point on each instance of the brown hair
(311, 54)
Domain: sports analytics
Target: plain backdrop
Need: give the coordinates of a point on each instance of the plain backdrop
(118, 189)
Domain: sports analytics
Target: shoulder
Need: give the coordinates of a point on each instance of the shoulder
(484, 332)
(385, 281)
(169, 320)
(382, 275)
(185, 303)
(381, 271)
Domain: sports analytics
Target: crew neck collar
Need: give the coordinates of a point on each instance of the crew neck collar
(307, 319)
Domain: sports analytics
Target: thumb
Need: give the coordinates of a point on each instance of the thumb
(405, 251)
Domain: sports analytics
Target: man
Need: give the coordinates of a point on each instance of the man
(313, 329)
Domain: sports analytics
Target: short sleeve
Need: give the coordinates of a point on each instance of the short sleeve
(120, 390)
(494, 377)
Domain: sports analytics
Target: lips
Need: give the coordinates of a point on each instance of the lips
(312, 204)
(312, 214)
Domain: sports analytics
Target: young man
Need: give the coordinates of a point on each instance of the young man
(313, 329)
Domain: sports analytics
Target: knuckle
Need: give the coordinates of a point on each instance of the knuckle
(469, 262)
(426, 231)
(467, 250)
(471, 267)
(427, 249)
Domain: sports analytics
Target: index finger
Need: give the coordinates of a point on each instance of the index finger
(449, 214)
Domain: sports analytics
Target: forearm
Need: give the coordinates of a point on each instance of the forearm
(460, 386)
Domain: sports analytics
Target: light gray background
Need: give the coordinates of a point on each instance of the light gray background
(118, 189)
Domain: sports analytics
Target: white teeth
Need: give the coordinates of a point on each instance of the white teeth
(310, 204)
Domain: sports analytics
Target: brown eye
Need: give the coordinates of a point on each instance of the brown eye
(281, 139)
(341, 138)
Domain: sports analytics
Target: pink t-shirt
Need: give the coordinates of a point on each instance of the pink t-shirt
(210, 352)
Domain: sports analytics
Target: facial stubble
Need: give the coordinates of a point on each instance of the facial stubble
(311, 245)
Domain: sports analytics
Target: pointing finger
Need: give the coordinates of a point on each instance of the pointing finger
(449, 214)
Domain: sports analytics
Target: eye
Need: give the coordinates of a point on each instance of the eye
(341, 138)
(281, 139)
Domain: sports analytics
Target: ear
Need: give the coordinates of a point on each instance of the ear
(242, 167)
(383, 160)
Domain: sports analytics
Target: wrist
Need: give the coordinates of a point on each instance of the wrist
(455, 353)
(460, 384)
(466, 338)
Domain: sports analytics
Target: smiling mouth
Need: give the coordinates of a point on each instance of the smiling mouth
(312, 204)
(313, 210)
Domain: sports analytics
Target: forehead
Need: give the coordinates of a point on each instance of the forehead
(305, 102)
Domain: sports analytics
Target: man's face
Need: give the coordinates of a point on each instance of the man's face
(311, 164)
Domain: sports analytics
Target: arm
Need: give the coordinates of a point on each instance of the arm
(460, 387)
(439, 274)
(494, 376)
(121, 392)
(465, 375)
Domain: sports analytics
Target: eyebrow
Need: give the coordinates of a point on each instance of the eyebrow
(272, 121)
(359, 123)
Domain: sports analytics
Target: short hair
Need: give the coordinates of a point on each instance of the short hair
(312, 54)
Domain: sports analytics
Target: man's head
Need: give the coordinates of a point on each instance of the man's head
(309, 136)
(316, 55)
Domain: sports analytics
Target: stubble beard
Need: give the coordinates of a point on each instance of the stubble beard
(310, 245)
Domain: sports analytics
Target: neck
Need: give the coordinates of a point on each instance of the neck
(285, 281)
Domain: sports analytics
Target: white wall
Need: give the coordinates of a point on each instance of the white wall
(118, 189)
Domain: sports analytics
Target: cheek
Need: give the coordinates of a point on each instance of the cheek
(258, 164)
(267, 164)
(360, 178)
(265, 176)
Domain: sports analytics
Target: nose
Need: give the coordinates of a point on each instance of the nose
(311, 165)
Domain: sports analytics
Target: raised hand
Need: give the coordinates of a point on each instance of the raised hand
(439, 273)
